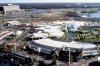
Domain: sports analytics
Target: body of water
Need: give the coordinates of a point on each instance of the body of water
(70, 35)
(91, 15)
(97, 15)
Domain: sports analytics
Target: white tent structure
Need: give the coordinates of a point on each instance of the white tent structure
(51, 30)
(73, 25)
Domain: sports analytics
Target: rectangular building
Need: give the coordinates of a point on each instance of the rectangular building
(11, 9)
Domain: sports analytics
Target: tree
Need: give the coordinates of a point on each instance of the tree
(54, 58)
(8, 48)
(1, 47)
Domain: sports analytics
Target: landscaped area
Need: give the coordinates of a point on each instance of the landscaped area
(88, 19)
(87, 34)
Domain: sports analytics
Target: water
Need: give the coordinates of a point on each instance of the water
(92, 15)
(97, 15)
(70, 35)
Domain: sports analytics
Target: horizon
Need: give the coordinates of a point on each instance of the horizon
(50, 1)
(54, 2)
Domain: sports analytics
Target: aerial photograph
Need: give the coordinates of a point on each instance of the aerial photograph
(49, 32)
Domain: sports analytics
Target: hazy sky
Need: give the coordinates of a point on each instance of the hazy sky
(47, 1)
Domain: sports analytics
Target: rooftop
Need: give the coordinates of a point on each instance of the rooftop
(4, 33)
(59, 44)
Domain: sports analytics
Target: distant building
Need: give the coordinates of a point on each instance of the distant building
(71, 25)
(11, 9)
(14, 22)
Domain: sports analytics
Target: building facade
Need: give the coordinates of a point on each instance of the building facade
(11, 9)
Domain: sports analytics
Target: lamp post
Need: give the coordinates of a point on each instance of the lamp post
(69, 57)
(15, 47)
(15, 44)
(1, 25)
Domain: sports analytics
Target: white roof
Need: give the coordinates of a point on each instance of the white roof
(59, 44)
(57, 33)
(19, 32)
(40, 35)
(6, 35)
(13, 22)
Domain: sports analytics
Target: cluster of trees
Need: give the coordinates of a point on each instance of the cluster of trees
(72, 14)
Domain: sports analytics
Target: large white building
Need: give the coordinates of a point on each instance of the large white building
(11, 9)
(47, 45)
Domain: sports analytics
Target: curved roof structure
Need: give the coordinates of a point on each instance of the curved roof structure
(59, 44)
(47, 45)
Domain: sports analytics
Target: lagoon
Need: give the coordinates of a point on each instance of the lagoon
(91, 15)
(96, 15)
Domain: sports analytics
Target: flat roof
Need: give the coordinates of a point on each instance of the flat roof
(3, 33)
(58, 44)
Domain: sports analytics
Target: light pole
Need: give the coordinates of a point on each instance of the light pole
(15, 44)
(1, 25)
(69, 56)
(15, 47)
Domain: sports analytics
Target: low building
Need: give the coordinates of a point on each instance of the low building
(47, 45)
(12, 23)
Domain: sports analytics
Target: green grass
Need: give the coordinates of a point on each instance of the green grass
(6, 18)
(91, 40)
(86, 34)
(64, 36)
(87, 19)
(88, 37)
(95, 39)
(87, 28)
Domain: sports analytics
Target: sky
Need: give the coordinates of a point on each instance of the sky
(48, 1)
